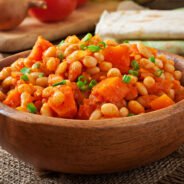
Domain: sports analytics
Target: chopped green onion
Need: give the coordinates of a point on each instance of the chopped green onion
(158, 73)
(93, 48)
(152, 59)
(41, 75)
(103, 44)
(135, 65)
(133, 72)
(61, 43)
(31, 108)
(60, 56)
(125, 41)
(82, 79)
(92, 84)
(24, 77)
(126, 79)
(131, 114)
(83, 47)
(82, 86)
(63, 82)
(25, 70)
(36, 66)
(87, 37)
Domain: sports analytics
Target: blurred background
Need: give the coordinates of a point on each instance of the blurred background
(23, 21)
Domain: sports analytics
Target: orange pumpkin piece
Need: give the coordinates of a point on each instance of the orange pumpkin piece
(179, 94)
(161, 102)
(160, 86)
(13, 99)
(78, 96)
(86, 109)
(147, 99)
(132, 94)
(110, 90)
(176, 85)
(68, 108)
(118, 56)
(40, 46)
(134, 49)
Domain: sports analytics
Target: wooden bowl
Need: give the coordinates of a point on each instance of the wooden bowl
(88, 147)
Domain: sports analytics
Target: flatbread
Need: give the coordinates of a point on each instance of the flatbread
(142, 24)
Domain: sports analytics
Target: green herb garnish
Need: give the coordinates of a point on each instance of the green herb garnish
(31, 108)
(41, 75)
(152, 59)
(82, 83)
(87, 37)
(61, 43)
(63, 82)
(133, 72)
(83, 47)
(82, 79)
(24, 77)
(158, 73)
(103, 44)
(135, 65)
(93, 48)
(92, 84)
(36, 66)
(60, 56)
(126, 79)
(82, 86)
(25, 70)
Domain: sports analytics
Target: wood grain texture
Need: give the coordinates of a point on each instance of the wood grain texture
(82, 20)
(88, 147)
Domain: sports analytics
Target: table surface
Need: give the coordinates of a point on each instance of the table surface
(169, 170)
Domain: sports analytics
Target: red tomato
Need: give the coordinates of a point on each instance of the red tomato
(56, 11)
(81, 2)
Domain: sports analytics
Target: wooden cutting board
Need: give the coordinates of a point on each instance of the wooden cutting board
(82, 20)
